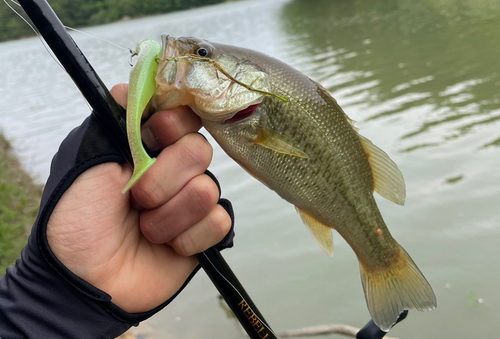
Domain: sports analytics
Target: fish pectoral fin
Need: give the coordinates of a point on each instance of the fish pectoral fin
(273, 140)
(387, 178)
(321, 233)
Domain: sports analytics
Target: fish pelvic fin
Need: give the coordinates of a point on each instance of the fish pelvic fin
(273, 140)
(387, 178)
(390, 291)
(321, 233)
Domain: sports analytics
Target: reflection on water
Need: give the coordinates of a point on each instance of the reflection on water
(425, 75)
(441, 56)
(420, 77)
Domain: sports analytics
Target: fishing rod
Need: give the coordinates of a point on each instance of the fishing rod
(113, 119)
(371, 330)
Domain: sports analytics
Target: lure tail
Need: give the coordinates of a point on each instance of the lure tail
(142, 86)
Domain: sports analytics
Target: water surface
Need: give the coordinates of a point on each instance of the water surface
(420, 77)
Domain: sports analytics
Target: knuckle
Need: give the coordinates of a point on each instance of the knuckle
(169, 123)
(148, 191)
(220, 223)
(147, 227)
(154, 229)
(204, 193)
(196, 151)
(119, 87)
(184, 245)
(119, 92)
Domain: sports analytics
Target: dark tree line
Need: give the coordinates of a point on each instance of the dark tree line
(78, 13)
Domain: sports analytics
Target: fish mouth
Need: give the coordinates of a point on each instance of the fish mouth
(170, 77)
(169, 47)
(192, 84)
(243, 114)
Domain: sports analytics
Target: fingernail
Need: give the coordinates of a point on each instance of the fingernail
(149, 138)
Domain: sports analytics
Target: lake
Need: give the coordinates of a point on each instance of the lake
(422, 80)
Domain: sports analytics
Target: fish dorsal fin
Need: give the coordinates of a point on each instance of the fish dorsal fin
(321, 233)
(273, 140)
(387, 178)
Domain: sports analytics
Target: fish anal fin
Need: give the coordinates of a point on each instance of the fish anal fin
(387, 178)
(321, 233)
(389, 291)
(273, 140)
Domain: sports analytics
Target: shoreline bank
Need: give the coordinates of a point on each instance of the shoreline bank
(19, 203)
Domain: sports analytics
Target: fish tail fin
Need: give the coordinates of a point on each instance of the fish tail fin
(389, 291)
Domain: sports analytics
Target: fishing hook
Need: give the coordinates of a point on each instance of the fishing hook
(132, 55)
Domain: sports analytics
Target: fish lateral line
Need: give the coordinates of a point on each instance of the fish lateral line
(194, 58)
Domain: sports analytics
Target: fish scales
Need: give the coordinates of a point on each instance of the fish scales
(288, 132)
(324, 185)
(315, 124)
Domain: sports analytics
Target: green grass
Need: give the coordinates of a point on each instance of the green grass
(19, 202)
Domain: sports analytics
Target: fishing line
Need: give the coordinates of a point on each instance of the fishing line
(67, 28)
(49, 51)
(238, 292)
(132, 53)
(100, 38)
(44, 44)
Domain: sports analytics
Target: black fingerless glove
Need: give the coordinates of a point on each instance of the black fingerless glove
(39, 296)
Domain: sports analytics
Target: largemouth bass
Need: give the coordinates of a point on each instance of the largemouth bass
(289, 132)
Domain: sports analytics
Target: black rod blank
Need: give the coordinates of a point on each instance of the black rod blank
(112, 117)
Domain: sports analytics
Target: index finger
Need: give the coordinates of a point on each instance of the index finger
(119, 93)
(165, 127)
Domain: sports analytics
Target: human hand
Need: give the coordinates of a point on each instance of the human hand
(138, 247)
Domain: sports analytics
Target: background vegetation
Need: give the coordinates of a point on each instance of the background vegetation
(77, 13)
(19, 202)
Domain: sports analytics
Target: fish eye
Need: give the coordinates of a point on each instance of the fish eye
(203, 52)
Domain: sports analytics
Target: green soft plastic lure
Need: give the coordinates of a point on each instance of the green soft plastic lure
(142, 86)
